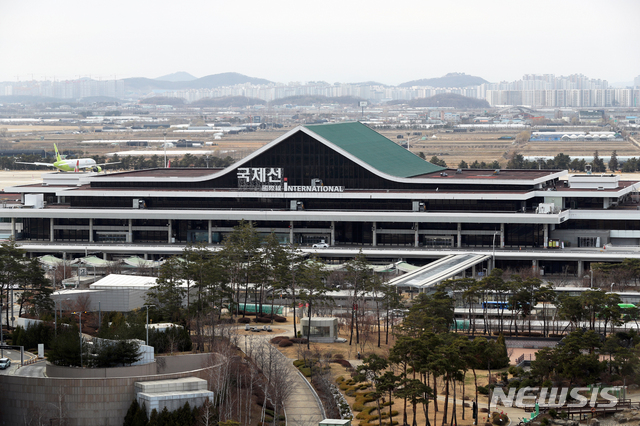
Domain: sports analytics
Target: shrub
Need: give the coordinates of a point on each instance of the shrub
(278, 339)
(483, 390)
(342, 362)
(285, 343)
(278, 318)
(306, 371)
(244, 320)
(262, 320)
(553, 413)
(338, 356)
(499, 419)
(545, 421)
(298, 363)
(299, 340)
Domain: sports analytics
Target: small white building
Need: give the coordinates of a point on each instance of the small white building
(323, 329)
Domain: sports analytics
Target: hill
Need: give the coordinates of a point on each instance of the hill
(177, 76)
(228, 102)
(446, 100)
(317, 99)
(142, 84)
(453, 79)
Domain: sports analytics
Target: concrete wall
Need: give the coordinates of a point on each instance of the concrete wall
(175, 364)
(85, 401)
(87, 373)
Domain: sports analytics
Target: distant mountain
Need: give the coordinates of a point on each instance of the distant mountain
(446, 100)
(317, 99)
(177, 76)
(453, 79)
(141, 84)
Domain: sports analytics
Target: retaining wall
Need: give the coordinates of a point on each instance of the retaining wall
(83, 401)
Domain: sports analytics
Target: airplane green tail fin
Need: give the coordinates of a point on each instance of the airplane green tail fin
(58, 158)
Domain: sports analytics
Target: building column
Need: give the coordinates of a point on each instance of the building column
(146, 256)
(375, 234)
(502, 235)
(130, 237)
(209, 239)
(473, 271)
(580, 268)
(333, 233)
(13, 228)
(416, 229)
(104, 256)
(459, 236)
(51, 233)
(90, 229)
(169, 231)
(290, 232)
(534, 265)
(546, 235)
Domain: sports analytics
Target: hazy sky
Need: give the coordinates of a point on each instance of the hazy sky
(335, 41)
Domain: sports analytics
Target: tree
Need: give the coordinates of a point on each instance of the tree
(613, 162)
(360, 277)
(437, 161)
(597, 165)
(313, 289)
(167, 295)
(371, 370)
(241, 253)
(463, 165)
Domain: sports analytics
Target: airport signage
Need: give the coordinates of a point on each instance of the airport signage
(271, 179)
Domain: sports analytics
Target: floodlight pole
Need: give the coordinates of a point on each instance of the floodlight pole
(80, 318)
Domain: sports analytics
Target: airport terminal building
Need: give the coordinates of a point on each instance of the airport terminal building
(344, 184)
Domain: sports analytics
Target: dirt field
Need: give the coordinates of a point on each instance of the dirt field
(450, 147)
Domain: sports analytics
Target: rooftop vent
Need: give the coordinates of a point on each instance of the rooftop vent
(459, 171)
(496, 172)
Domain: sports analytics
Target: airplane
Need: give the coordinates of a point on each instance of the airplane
(72, 165)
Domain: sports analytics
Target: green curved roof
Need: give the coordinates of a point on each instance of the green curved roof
(374, 149)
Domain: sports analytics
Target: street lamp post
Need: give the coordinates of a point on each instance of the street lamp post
(55, 314)
(164, 133)
(148, 323)
(494, 249)
(80, 319)
(1, 332)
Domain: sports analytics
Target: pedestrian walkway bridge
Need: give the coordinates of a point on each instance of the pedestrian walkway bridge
(440, 270)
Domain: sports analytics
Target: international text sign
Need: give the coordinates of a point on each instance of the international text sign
(271, 179)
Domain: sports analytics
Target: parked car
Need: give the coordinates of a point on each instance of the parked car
(5, 363)
(320, 245)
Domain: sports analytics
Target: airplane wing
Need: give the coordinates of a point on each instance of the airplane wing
(37, 164)
(108, 164)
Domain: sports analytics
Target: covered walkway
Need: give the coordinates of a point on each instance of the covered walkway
(438, 271)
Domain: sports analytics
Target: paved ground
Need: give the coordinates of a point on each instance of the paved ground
(302, 407)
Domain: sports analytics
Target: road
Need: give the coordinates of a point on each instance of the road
(32, 370)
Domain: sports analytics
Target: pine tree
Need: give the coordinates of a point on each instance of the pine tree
(613, 162)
